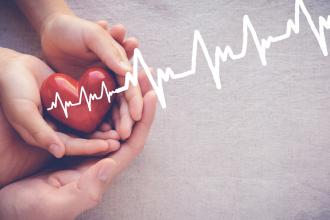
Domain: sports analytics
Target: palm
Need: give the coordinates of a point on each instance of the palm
(44, 191)
(66, 193)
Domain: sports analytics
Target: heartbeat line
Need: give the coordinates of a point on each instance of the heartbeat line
(293, 26)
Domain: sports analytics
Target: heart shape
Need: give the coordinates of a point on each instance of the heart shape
(69, 90)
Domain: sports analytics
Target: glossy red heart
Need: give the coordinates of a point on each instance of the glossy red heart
(69, 89)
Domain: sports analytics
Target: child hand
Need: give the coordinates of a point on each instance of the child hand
(20, 79)
(71, 44)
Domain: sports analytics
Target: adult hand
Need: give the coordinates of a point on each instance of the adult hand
(18, 159)
(65, 194)
(20, 79)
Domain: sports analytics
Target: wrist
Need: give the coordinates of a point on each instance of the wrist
(51, 19)
(38, 12)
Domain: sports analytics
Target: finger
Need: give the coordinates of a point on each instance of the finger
(141, 129)
(133, 146)
(104, 24)
(80, 146)
(118, 32)
(94, 181)
(129, 45)
(110, 134)
(34, 129)
(20, 100)
(105, 127)
(116, 117)
(144, 80)
(108, 50)
(134, 99)
(122, 118)
(126, 122)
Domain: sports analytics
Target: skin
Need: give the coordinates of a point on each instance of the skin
(66, 193)
(90, 44)
(22, 125)
(16, 136)
(21, 158)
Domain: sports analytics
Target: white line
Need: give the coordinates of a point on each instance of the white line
(293, 26)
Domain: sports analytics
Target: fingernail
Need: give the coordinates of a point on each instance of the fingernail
(126, 65)
(105, 172)
(56, 150)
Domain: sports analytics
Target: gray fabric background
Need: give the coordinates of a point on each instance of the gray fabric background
(256, 149)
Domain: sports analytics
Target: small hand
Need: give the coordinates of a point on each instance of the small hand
(71, 44)
(20, 79)
(64, 194)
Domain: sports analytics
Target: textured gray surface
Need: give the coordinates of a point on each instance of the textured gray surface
(259, 148)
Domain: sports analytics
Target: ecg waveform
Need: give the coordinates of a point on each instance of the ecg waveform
(293, 26)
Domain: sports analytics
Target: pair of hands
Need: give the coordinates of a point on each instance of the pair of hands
(66, 193)
(81, 44)
(21, 77)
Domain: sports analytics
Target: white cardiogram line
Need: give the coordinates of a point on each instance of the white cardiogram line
(293, 26)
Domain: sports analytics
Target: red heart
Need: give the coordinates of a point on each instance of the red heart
(79, 116)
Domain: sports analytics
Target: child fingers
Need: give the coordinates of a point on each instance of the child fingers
(110, 134)
(80, 146)
(134, 99)
(108, 50)
(34, 129)
(118, 32)
(129, 45)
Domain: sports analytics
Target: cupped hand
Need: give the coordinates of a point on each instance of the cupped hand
(71, 44)
(18, 159)
(66, 193)
(20, 79)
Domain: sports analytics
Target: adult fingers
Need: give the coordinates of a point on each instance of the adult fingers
(133, 146)
(81, 188)
(94, 180)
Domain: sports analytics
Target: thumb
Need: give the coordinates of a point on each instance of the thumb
(96, 178)
(28, 122)
(80, 189)
(108, 50)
